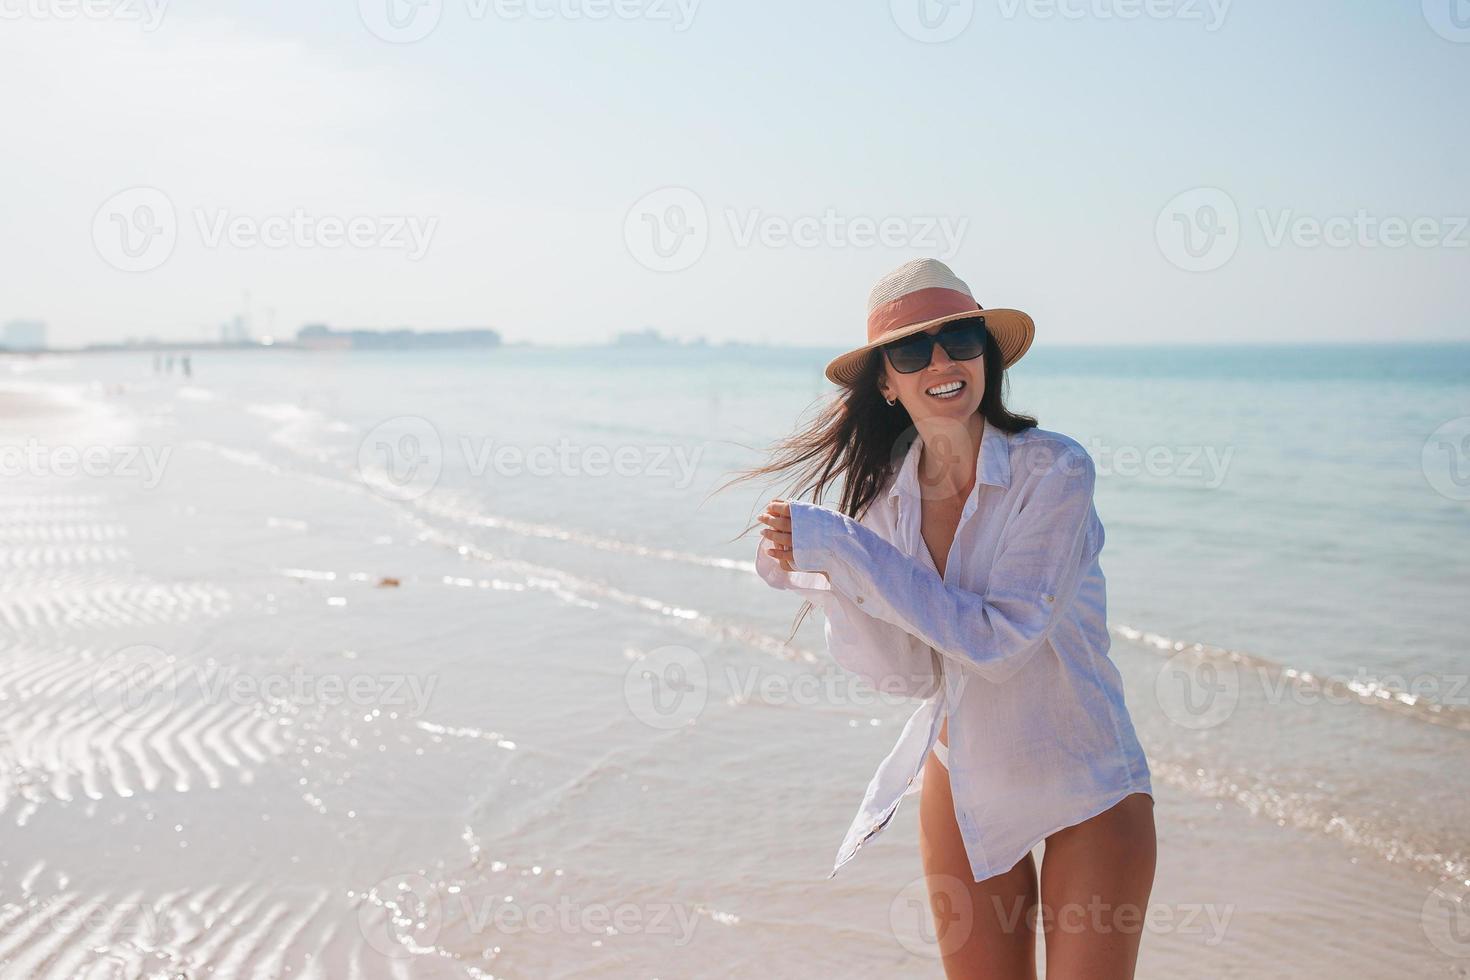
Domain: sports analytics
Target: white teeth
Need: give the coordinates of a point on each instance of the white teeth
(947, 390)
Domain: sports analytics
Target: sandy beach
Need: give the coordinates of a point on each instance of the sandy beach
(262, 720)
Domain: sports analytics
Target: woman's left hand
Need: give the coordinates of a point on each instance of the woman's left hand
(777, 518)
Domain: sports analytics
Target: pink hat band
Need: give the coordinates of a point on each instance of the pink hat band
(920, 306)
(916, 296)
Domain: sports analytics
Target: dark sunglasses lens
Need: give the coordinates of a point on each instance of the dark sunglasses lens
(963, 340)
(910, 354)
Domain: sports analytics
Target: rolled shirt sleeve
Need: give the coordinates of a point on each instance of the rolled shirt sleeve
(1036, 573)
(891, 659)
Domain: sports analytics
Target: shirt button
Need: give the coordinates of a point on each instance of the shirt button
(1051, 598)
(860, 600)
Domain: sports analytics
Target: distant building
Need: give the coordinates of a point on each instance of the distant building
(647, 337)
(24, 335)
(234, 332)
(319, 336)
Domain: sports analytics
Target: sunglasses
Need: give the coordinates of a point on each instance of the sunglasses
(962, 340)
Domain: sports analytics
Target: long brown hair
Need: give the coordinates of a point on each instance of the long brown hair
(858, 438)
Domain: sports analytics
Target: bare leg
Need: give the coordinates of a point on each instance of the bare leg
(1096, 877)
(986, 928)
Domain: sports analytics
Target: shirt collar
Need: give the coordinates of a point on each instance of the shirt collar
(992, 463)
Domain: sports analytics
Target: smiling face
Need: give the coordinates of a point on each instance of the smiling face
(946, 388)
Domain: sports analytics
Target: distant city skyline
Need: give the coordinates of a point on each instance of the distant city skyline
(24, 335)
(1127, 173)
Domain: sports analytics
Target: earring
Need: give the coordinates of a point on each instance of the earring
(890, 401)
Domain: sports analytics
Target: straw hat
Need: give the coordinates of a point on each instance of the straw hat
(915, 297)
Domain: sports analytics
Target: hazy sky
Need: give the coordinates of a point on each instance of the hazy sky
(1129, 170)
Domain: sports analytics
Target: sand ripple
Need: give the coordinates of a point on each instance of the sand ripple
(252, 930)
(69, 735)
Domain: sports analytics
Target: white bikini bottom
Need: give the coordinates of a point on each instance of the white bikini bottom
(941, 752)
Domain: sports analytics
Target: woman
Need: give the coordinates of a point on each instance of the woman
(963, 569)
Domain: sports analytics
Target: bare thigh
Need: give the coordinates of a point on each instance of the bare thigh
(983, 928)
(1096, 877)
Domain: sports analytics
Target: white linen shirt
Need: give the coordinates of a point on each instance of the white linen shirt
(1011, 644)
